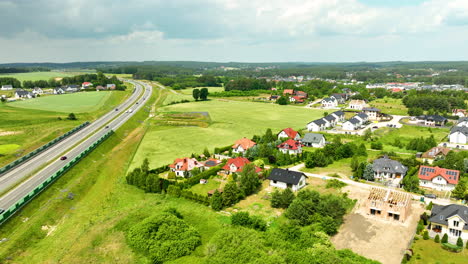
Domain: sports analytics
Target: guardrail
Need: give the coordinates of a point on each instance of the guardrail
(33, 153)
(28, 197)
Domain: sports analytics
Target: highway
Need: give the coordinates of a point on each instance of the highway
(110, 121)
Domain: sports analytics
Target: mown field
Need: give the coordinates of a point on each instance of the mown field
(186, 94)
(35, 76)
(67, 103)
(27, 129)
(427, 251)
(230, 120)
(390, 106)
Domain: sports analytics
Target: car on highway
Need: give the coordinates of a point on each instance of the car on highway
(107, 126)
(116, 109)
(430, 195)
(2, 210)
(63, 158)
(136, 102)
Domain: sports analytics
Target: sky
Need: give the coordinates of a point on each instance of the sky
(233, 30)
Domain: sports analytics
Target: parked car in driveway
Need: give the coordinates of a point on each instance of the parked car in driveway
(430, 195)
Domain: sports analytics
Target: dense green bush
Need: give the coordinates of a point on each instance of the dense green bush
(244, 219)
(282, 199)
(163, 237)
(452, 248)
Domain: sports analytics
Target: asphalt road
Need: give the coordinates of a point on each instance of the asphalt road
(94, 131)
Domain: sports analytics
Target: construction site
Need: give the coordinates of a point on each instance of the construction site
(388, 204)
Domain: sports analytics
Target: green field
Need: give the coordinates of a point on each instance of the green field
(186, 94)
(231, 120)
(66, 103)
(427, 251)
(35, 76)
(390, 106)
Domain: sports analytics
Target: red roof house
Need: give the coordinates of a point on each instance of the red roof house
(236, 165)
(289, 133)
(290, 146)
(438, 178)
(243, 144)
(288, 91)
(183, 166)
(297, 99)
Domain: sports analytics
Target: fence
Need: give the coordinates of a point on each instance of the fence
(26, 157)
(28, 197)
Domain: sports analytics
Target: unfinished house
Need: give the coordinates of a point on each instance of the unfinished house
(388, 204)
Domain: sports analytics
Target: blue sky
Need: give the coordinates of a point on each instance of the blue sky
(233, 30)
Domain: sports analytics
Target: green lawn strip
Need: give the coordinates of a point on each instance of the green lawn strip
(36, 76)
(230, 121)
(427, 251)
(91, 175)
(390, 106)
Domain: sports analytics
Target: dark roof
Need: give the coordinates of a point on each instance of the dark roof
(354, 121)
(463, 130)
(463, 119)
(371, 109)
(388, 165)
(286, 176)
(330, 118)
(312, 138)
(7, 86)
(337, 96)
(338, 113)
(329, 99)
(72, 86)
(362, 115)
(439, 213)
(436, 118)
(211, 163)
(21, 92)
(319, 122)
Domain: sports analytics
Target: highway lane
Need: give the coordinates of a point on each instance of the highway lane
(20, 172)
(28, 185)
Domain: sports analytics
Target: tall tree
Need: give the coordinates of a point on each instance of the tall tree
(196, 94)
(230, 194)
(217, 201)
(249, 180)
(368, 173)
(204, 94)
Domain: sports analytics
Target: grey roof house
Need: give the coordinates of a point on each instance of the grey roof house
(313, 140)
(284, 178)
(386, 168)
(450, 219)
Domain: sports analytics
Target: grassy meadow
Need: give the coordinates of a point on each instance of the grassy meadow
(36, 76)
(390, 106)
(67, 103)
(186, 94)
(427, 251)
(230, 120)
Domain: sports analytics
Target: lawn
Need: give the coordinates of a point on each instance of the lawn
(390, 106)
(189, 91)
(427, 251)
(202, 189)
(67, 103)
(35, 76)
(231, 120)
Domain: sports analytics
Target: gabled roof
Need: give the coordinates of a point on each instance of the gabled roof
(362, 116)
(186, 164)
(73, 86)
(239, 162)
(329, 99)
(298, 98)
(435, 151)
(290, 144)
(463, 119)
(21, 92)
(371, 109)
(337, 96)
(440, 214)
(428, 173)
(436, 118)
(87, 83)
(388, 165)
(109, 85)
(288, 91)
(338, 113)
(7, 86)
(245, 143)
(212, 162)
(357, 102)
(354, 121)
(330, 118)
(461, 129)
(58, 88)
(290, 132)
(312, 138)
(319, 122)
(286, 176)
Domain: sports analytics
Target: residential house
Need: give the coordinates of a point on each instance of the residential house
(439, 179)
(341, 98)
(289, 133)
(110, 86)
(352, 124)
(363, 117)
(432, 120)
(86, 85)
(388, 204)
(357, 104)
(291, 147)
(458, 135)
(388, 169)
(462, 122)
(59, 90)
(450, 219)
(210, 163)
(100, 88)
(372, 112)
(339, 115)
(20, 93)
(331, 120)
(317, 125)
(284, 178)
(7, 87)
(459, 112)
(37, 90)
(274, 97)
(236, 165)
(301, 94)
(296, 99)
(434, 154)
(183, 167)
(329, 102)
(72, 88)
(242, 145)
(288, 92)
(313, 140)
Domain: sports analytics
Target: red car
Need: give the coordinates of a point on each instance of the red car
(63, 158)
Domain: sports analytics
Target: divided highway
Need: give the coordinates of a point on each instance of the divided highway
(110, 121)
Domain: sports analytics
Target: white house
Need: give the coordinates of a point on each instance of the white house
(357, 104)
(37, 90)
(183, 167)
(351, 124)
(235, 165)
(7, 87)
(329, 102)
(438, 178)
(462, 122)
(331, 120)
(284, 178)
(362, 117)
(71, 88)
(372, 112)
(459, 112)
(450, 219)
(242, 145)
(291, 147)
(313, 140)
(339, 115)
(20, 93)
(86, 85)
(388, 169)
(289, 133)
(317, 125)
(458, 135)
(59, 90)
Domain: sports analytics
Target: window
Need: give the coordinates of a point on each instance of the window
(456, 223)
(274, 182)
(455, 232)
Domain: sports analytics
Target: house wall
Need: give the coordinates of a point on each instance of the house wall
(457, 138)
(239, 149)
(313, 127)
(278, 184)
(462, 124)
(386, 208)
(436, 185)
(348, 126)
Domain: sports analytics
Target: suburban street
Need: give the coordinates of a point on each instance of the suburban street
(84, 138)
